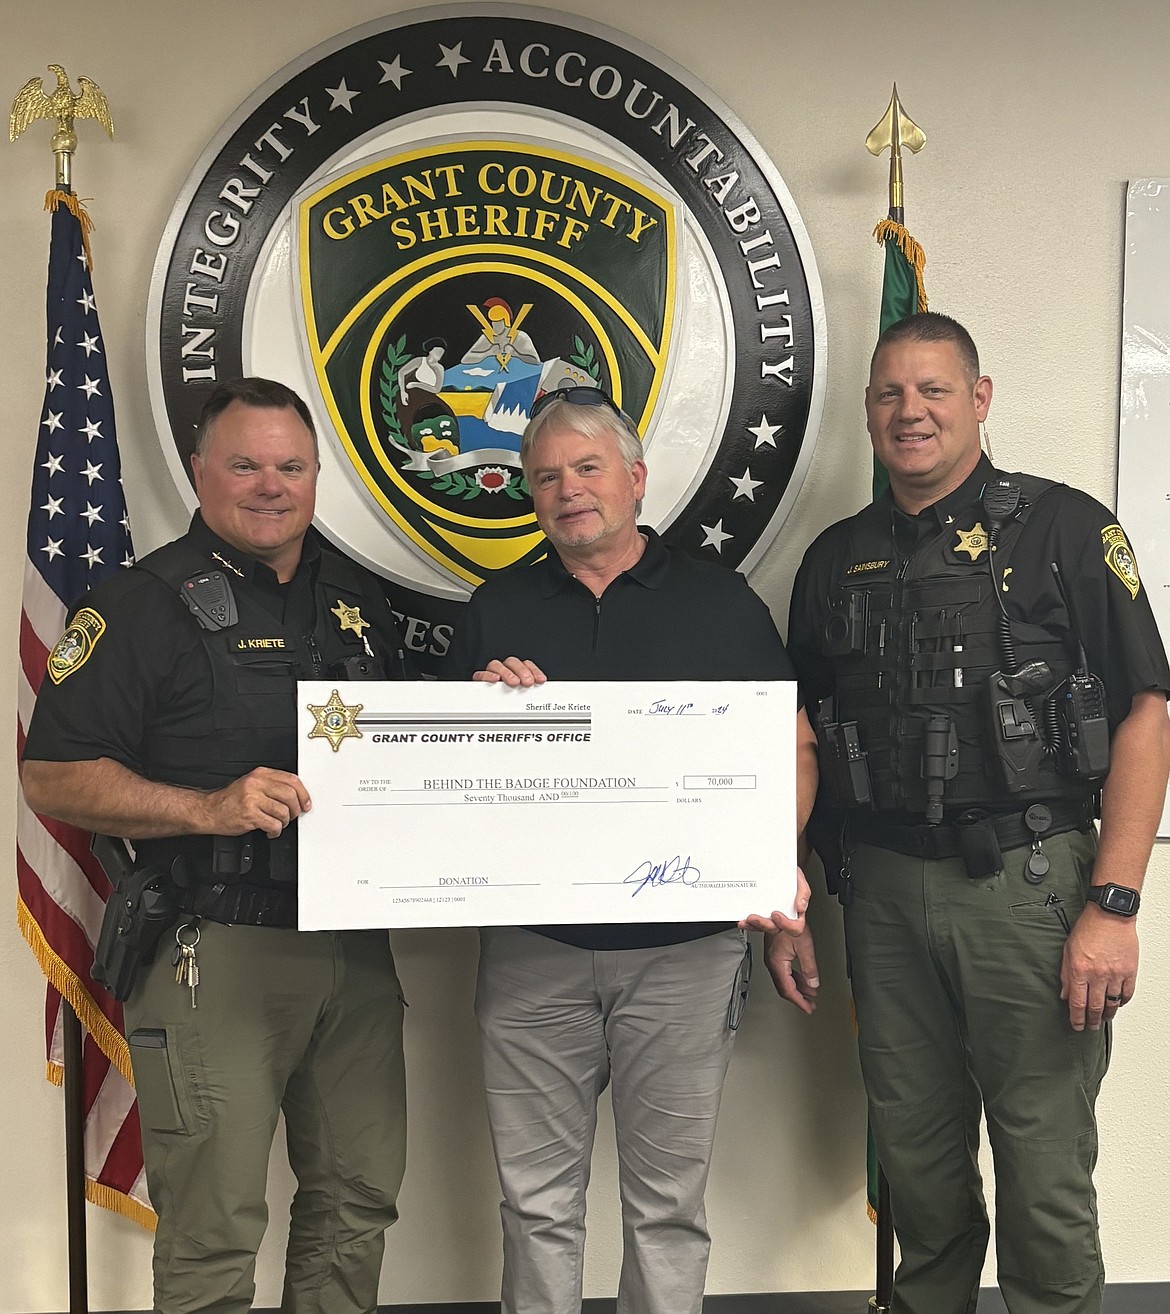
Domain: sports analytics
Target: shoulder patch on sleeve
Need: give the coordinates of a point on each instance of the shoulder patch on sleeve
(73, 648)
(1120, 559)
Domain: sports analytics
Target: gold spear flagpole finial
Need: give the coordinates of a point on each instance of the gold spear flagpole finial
(895, 130)
(62, 104)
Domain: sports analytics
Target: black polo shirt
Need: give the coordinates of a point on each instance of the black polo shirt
(149, 669)
(669, 617)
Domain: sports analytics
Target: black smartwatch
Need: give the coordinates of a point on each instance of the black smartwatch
(1119, 899)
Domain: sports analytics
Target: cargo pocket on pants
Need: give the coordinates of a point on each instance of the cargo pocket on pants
(163, 1102)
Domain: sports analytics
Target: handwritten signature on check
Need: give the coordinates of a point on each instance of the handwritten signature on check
(671, 871)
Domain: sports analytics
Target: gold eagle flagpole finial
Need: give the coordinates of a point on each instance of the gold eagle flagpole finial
(62, 104)
(895, 130)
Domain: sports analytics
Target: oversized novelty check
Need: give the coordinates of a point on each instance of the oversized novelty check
(479, 805)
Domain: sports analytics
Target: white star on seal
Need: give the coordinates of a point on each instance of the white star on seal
(52, 421)
(765, 432)
(57, 338)
(394, 72)
(53, 548)
(92, 513)
(53, 507)
(54, 465)
(714, 536)
(128, 560)
(453, 56)
(91, 428)
(92, 472)
(89, 344)
(342, 97)
(86, 302)
(54, 379)
(90, 387)
(93, 556)
(745, 485)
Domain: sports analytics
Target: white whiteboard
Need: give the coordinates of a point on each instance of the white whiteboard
(1143, 448)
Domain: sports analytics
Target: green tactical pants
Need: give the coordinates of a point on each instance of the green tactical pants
(307, 1022)
(957, 987)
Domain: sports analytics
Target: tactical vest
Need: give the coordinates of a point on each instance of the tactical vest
(255, 665)
(921, 637)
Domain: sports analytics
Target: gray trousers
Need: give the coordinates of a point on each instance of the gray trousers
(557, 1025)
(957, 986)
(310, 1022)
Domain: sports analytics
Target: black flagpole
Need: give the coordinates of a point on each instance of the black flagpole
(884, 1244)
(72, 1039)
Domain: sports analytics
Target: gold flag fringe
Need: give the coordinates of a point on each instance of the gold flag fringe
(65, 981)
(55, 197)
(117, 1203)
(889, 231)
(110, 1041)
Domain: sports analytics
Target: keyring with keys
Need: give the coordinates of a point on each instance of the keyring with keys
(186, 968)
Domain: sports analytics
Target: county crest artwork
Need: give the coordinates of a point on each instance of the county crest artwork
(445, 289)
(429, 221)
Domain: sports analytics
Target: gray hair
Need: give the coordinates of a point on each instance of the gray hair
(590, 422)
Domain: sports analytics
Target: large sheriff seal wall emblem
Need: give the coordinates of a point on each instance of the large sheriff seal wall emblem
(429, 221)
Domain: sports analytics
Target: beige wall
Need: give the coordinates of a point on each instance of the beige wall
(1037, 115)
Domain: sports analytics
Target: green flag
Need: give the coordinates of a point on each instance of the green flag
(903, 294)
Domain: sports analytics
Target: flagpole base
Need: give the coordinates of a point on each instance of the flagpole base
(876, 1307)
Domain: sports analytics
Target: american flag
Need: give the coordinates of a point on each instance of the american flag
(78, 534)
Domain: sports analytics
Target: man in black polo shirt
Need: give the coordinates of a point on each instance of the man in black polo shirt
(648, 1009)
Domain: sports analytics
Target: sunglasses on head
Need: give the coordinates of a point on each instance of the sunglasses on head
(576, 395)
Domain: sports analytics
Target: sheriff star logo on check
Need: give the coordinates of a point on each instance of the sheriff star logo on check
(350, 618)
(973, 541)
(335, 720)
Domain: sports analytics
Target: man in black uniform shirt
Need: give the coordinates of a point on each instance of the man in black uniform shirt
(980, 653)
(170, 719)
(649, 1008)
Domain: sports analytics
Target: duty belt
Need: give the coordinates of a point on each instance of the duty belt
(241, 880)
(208, 858)
(922, 841)
(241, 905)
